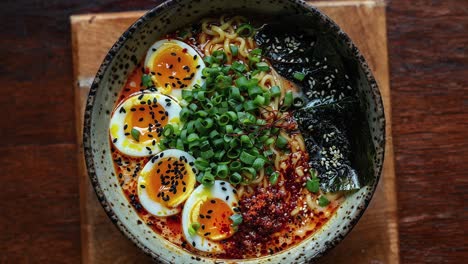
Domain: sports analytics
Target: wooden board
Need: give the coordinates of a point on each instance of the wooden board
(375, 237)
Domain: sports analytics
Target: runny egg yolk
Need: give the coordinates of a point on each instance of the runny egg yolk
(149, 120)
(170, 182)
(173, 67)
(213, 215)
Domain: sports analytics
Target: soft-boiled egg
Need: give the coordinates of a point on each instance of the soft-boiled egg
(138, 123)
(206, 217)
(174, 65)
(166, 181)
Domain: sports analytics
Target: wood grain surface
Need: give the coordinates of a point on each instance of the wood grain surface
(375, 238)
(39, 202)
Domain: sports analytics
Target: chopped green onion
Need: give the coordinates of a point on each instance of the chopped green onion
(269, 141)
(262, 66)
(259, 100)
(256, 52)
(281, 142)
(168, 130)
(258, 164)
(214, 134)
(229, 129)
(180, 144)
(235, 178)
(247, 158)
(192, 137)
(312, 185)
(146, 80)
(235, 166)
(249, 106)
(135, 134)
(274, 178)
(222, 171)
(323, 201)
(207, 154)
(275, 91)
(299, 76)
(193, 228)
(208, 179)
(184, 114)
(245, 141)
(249, 172)
(235, 93)
(187, 95)
(234, 50)
(288, 99)
(201, 164)
(208, 60)
(237, 66)
(236, 219)
(219, 56)
(233, 153)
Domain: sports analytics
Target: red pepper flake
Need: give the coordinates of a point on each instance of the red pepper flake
(184, 50)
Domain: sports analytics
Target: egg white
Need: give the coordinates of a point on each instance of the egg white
(153, 50)
(154, 207)
(204, 193)
(126, 143)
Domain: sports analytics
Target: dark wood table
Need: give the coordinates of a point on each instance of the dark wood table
(39, 203)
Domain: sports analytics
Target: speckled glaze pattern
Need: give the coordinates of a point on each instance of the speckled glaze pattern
(122, 59)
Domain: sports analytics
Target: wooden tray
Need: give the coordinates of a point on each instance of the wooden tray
(375, 237)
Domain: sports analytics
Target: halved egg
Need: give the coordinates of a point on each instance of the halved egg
(166, 181)
(137, 124)
(174, 65)
(206, 217)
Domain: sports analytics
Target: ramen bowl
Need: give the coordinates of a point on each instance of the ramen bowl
(123, 57)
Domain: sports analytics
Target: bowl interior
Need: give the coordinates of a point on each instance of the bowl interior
(127, 52)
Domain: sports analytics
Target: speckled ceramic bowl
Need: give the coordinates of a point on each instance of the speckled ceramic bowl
(118, 64)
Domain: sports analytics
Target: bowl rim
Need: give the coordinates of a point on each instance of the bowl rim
(117, 46)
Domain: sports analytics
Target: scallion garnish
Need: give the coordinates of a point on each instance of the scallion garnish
(312, 185)
(234, 50)
(135, 134)
(236, 219)
(299, 76)
(274, 178)
(192, 229)
(146, 80)
(323, 201)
